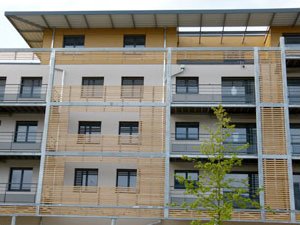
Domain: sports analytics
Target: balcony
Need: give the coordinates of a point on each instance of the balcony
(192, 146)
(105, 143)
(295, 141)
(294, 91)
(102, 93)
(25, 142)
(18, 193)
(214, 94)
(12, 93)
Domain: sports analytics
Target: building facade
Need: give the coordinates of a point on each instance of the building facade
(98, 112)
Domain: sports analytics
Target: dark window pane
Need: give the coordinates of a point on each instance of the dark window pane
(26, 131)
(134, 41)
(187, 131)
(191, 175)
(86, 177)
(132, 80)
(126, 178)
(31, 87)
(129, 128)
(92, 80)
(20, 179)
(187, 85)
(73, 41)
(89, 127)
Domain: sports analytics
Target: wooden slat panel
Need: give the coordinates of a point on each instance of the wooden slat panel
(11, 209)
(150, 138)
(298, 216)
(276, 186)
(108, 94)
(110, 212)
(278, 216)
(110, 57)
(271, 85)
(147, 192)
(273, 131)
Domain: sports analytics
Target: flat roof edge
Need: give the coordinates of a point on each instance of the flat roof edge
(186, 11)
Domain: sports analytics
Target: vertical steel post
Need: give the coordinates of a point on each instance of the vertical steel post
(113, 221)
(287, 130)
(168, 131)
(13, 220)
(258, 132)
(45, 130)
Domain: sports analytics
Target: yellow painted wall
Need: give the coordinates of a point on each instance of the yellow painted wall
(112, 37)
(276, 33)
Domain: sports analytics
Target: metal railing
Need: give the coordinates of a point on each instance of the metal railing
(295, 142)
(20, 141)
(213, 93)
(22, 93)
(18, 192)
(190, 144)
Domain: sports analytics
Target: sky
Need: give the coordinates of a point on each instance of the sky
(10, 38)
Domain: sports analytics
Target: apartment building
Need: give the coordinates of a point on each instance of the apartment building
(98, 112)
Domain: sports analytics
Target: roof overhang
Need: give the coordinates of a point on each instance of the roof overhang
(32, 24)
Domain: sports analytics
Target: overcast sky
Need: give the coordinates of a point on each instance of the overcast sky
(10, 38)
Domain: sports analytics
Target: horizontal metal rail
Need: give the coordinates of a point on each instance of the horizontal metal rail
(17, 192)
(20, 141)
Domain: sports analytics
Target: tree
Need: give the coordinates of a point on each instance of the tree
(214, 193)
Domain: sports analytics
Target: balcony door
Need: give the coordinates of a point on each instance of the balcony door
(238, 90)
(294, 90)
(2, 87)
(26, 131)
(20, 179)
(31, 87)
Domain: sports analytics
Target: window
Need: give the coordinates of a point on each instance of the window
(20, 179)
(297, 190)
(294, 90)
(2, 87)
(187, 131)
(86, 177)
(247, 181)
(89, 132)
(89, 127)
(292, 39)
(126, 178)
(26, 131)
(92, 87)
(295, 138)
(128, 128)
(192, 175)
(134, 41)
(238, 90)
(132, 87)
(243, 134)
(73, 41)
(187, 85)
(31, 87)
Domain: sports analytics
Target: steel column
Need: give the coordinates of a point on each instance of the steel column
(45, 130)
(258, 131)
(168, 131)
(13, 220)
(287, 130)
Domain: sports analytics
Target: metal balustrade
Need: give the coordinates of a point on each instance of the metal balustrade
(191, 145)
(18, 192)
(214, 94)
(20, 141)
(295, 141)
(21, 93)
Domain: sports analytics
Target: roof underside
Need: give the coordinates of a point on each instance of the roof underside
(32, 24)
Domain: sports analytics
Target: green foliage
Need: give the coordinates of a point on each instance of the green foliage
(214, 193)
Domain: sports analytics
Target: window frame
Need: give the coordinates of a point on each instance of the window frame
(135, 37)
(27, 124)
(186, 85)
(21, 189)
(81, 178)
(88, 123)
(74, 44)
(131, 127)
(297, 207)
(196, 125)
(32, 87)
(128, 177)
(177, 185)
